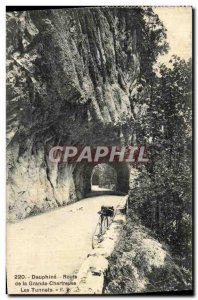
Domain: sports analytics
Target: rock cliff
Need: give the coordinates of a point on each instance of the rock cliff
(70, 77)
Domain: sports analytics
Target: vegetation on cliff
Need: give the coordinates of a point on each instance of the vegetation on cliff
(162, 193)
(86, 76)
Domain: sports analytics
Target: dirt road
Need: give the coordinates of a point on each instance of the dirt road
(54, 243)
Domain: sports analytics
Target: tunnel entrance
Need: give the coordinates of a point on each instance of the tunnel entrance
(85, 177)
(103, 178)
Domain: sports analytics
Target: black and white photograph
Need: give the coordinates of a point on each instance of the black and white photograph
(99, 150)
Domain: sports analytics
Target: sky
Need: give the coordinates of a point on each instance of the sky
(178, 22)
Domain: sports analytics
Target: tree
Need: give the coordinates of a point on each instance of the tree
(163, 194)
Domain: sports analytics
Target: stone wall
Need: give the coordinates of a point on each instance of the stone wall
(91, 276)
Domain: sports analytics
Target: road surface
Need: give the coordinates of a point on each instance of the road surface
(55, 242)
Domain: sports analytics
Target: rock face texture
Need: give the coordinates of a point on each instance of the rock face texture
(141, 264)
(70, 77)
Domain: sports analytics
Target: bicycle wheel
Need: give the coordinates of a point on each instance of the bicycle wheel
(96, 235)
(104, 225)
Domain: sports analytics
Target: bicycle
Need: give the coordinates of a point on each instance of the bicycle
(106, 216)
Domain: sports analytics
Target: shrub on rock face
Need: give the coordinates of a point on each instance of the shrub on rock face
(147, 266)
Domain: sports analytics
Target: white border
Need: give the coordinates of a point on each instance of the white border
(101, 2)
(193, 3)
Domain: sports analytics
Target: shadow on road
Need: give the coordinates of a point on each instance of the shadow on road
(96, 191)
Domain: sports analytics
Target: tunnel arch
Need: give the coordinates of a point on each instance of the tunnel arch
(83, 172)
(103, 176)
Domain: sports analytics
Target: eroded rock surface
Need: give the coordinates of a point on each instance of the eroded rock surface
(141, 263)
(71, 74)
